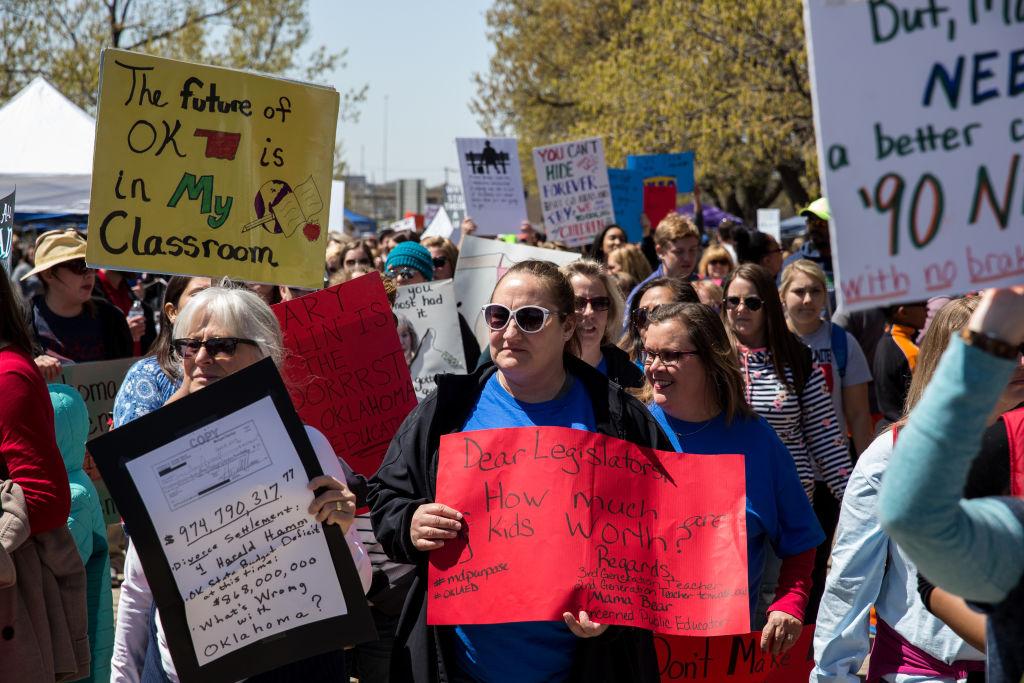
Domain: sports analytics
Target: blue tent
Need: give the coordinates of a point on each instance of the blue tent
(360, 223)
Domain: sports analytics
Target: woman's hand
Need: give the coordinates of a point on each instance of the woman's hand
(336, 505)
(584, 628)
(433, 524)
(1001, 314)
(49, 366)
(780, 633)
(468, 226)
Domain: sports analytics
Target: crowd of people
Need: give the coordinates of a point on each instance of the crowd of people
(698, 339)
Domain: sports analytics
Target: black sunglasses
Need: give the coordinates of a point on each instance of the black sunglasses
(401, 272)
(215, 346)
(640, 318)
(77, 266)
(440, 261)
(752, 303)
(598, 303)
(529, 319)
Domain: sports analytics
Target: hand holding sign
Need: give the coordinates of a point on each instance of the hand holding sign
(584, 627)
(336, 505)
(432, 524)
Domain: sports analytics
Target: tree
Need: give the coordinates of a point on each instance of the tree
(727, 79)
(61, 40)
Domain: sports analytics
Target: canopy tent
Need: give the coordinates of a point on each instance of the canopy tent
(712, 215)
(360, 224)
(48, 143)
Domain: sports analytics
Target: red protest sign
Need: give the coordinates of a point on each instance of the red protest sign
(737, 659)
(345, 368)
(563, 520)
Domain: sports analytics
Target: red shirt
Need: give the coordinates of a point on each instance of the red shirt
(28, 446)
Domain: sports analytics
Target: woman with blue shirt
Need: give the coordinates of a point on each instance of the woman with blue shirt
(153, 379)
(598, 306)
(697, 396)
(535, 380)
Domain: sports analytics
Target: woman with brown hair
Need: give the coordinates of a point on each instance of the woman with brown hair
(660, 290)
(697, 394)
(444, 254)
(536, 380)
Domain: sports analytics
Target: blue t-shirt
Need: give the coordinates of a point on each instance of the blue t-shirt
(144, 389)
(602, 367)
(532, 650)
(777, 508)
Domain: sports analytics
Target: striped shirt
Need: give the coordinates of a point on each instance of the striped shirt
(806, 423)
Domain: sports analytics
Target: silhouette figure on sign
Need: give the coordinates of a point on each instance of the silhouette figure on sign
(482, 162)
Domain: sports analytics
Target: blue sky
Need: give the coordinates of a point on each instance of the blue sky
(422, 55)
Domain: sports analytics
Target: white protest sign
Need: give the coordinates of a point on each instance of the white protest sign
(769, 221)
(441, 226)
(428, 327)
(229, 505)
(575, 196)
(407, 223)
(919, 129)
(492, 183)
(336, 212)
(481, 263)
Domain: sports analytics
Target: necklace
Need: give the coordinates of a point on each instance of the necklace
(682, 436)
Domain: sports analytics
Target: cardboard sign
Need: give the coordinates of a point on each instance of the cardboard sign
(481, 264)
(492, 183)
(6, 233)
(678, 166)
(627, 188)
(214, 490)
(769, 221)
(737, 659)
(98, 384)
(346, 371)
(569, 520)
(207, 171)
(428, 330)
(922, 163)
(575, 198)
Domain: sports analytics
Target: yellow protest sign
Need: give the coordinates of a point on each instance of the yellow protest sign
(200, 170)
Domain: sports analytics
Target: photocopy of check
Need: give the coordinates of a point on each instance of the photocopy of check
(228, 502)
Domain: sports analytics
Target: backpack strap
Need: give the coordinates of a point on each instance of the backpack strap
(839, 348)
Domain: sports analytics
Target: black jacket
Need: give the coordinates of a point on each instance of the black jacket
(621, 369)
(117, 339)
(407, 479)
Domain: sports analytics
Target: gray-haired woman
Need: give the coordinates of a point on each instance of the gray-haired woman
(221, 331)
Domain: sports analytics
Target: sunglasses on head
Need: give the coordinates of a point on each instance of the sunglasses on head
(401, 273)
(641, 317)
(598, 303)
(753, 303)
(76, 266)
(215, 346)
(529, 319)
(440, 261)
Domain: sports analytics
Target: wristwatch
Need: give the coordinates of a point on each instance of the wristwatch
(990, 344)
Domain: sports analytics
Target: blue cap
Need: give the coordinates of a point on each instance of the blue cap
(411, 255)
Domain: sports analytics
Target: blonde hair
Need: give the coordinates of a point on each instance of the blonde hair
(595, 271)
(446, 245)
(715, 252)
(950, 319)
(631, 260)
(711, 291)
(675, 226)
(804, 267)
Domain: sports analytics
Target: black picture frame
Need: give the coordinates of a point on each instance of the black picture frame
(114, 450)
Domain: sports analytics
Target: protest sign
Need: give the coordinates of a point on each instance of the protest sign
(921, 163)
(733, 659)
(568, 520)
(6, 233)
(574, 195)
(407, 223)
(428, 330)
(678, 166)
(454, 203)
(346, 370)
(627, 188)
(201, 170)
(214, 490)
(98, 384)
(440, 226)
(769, 221)
(492, 183)
(336, 214)
(481, 263)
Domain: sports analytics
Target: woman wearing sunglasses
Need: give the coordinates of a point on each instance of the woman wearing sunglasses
(598, 306)
(660, 290)
(697, 395)
(715, 264)
(219, 332)
(67, 322)
(535, 381)
(444, 254)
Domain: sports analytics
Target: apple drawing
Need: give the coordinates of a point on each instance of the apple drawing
(311, 231)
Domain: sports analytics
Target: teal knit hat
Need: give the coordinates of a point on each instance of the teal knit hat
(411, 255)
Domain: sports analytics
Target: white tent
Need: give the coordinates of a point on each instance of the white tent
(46, 145)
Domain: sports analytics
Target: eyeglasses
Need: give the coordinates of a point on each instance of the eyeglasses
(598, 303)
(401, 273)
(76, 266)
(718, 262)
(356, 262)
(641, 317)
(529, 319)
(669, 359)
(440, 261)
(215, 346)
(753, 303)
